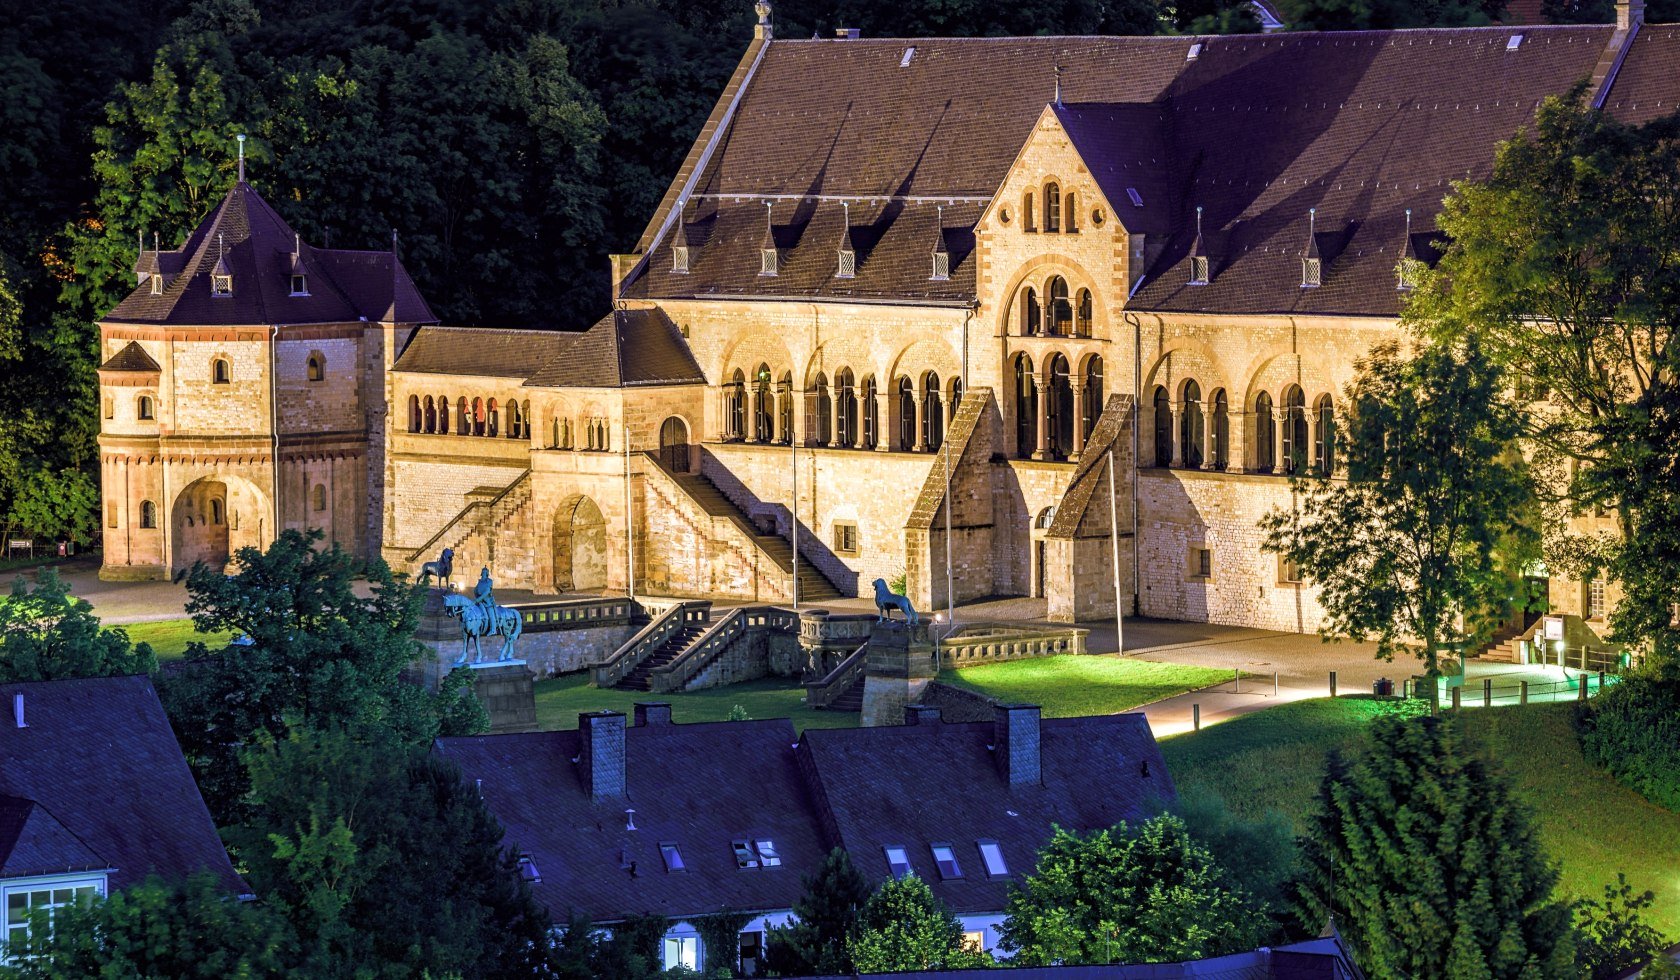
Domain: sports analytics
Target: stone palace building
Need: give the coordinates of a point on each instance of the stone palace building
(913, 297)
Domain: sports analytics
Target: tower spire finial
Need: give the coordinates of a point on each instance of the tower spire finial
(764, 30)
(241, 139)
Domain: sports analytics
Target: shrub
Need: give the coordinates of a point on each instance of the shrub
(1632, 730)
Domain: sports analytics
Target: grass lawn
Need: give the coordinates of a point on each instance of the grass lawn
(1273, 759)
(169, 637)
(1073, 684)
(559, 701)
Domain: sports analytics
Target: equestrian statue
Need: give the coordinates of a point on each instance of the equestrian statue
(481, 617)
(443, 568)
(886, 600)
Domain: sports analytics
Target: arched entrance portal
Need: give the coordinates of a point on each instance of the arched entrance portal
(212, 518)
(580, 546)
(673, 445)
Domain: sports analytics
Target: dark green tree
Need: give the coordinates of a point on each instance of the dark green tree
(1561, 265)
(385, 862)
(825, 917)
(319, 655)
(189, 930)
(1430, 864)
(1612, 936)
(46, 634)
(1125, 896)
(1382, 15)
(1418, 544)
(904, 926)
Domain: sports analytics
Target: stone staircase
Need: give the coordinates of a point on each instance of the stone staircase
(641, 678)
(852, 700)
(1505, 644)
(473, 534)
(814, 586)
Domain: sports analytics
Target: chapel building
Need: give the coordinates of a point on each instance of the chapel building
(906, 300)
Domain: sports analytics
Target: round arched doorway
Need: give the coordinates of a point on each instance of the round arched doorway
(212, 518)
(580, 546)
(673, 445)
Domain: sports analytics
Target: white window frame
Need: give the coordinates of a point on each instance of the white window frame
(680, 949)
(99, 881)
(768, 856)
(300, 285)
(997, 869)
(221, 285)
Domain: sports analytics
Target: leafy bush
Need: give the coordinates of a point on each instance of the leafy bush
(1633, 731)
(1612, 936)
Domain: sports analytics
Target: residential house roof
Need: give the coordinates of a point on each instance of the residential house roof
(625, 348)
(95, 779)
(245, 238)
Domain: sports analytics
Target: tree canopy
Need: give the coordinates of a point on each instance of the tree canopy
(904, 926)
(46, 634)
(818, 940)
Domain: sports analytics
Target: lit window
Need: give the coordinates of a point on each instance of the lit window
(673, 857)
(767, 855)
(946, 859)
(898, 861)
(1595, 598)
(1199, 270)
(992, 855)
(157, 285)
(974, 940)
(682, 951)
(745, 857)
(528, 869)
(22, 902)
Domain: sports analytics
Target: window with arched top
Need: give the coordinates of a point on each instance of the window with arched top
(784, 407)
(318, 498)
(1324, 436)
(906, 414)
(514, 420)
(955, 401)
(1083, 313)
(1027, 212)
(492, 417)
(1026, 407)
(1060, 312)
(735, 407)
(1092, 393)
(463, 417)
(478, 416)
(1265, 440)
(148, 514)
(1059, 407)
(217, 514)
(431, 415)
(143, 408)
(1294, 430)
(845, 409)
(414, 418)
(221, 372)
(1052, 207)
(1219, 430)
(1070, 212)
(1192, 427)
(764, 405)
(317, 369)
(825, 412)
(1162, 405)
(871, 420)
(933, 413)
(1032, 317)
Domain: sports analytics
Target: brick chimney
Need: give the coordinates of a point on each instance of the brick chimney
(1629, 14)
(921, 714)
(601, 753)
(17, 710)
(1016, 741)
(652, 713)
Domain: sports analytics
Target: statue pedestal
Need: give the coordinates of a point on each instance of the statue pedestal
(896, 670)
(505, 689)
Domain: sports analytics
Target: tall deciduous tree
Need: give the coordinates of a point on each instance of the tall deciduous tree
(1418, 543)
(825, 917)
(1430, 864)
(46, 634)
(1562, 265)
(904, 926)
(1124, 896)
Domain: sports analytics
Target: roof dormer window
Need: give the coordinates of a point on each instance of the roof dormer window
(1404, 270)
(1312, 273)
(767, 261)
(1199, 270)
(157, 285)
(679, 245)
(941, 266)
(221, 277)
(300, 285)
(300, 272)
(846, 264)
(768, 258)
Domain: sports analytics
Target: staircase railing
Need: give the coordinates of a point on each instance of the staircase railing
(469, 510)
(649, 639)
(734, 627)
(827, 689)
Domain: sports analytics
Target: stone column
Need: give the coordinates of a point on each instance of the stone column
(1043, 426)
(857, 430)
(1277, 441)
(884, 429)
(723, 413)
(776, 396)
(1237, 428)
(1207, 434)
(1078, 422)
(1177, 410)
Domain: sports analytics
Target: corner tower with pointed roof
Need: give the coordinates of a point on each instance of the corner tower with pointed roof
(243, 390)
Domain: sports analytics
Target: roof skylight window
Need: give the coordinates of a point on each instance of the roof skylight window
(992, 855)
(745, 857)
(673, 857)
(528, 869)
(909, 53)
(1514, 43)
(767, 855)
(946, 859)
(898, 860)
(1195, 52)
(1137, 199)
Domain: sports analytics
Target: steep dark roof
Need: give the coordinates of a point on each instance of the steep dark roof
(1256, 129)
(624, 348)
(918, 785)
(99, 759)
(701, 786)
(131, 358)
(33, 842)
(257, 246)
(483, 351)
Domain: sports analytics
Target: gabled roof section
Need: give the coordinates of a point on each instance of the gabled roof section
(625, 348)
(244, 238)
(98, 755)
(489, 352)
(131, 358)
(699, 786)
(33, 842)
(1125, 147)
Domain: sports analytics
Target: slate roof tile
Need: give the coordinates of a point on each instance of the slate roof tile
(133, 358)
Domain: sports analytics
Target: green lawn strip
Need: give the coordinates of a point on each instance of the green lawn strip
(561, 699)
(1072, 685)
(1274, 759)
(169, 637)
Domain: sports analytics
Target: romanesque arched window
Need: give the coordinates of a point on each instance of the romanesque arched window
(515, 421)
(1219, 430)
(764, 406)
(1027, 212)
(933, 413)
(955, 401)
(1191, 426)
(1093, 393)
(414, 419)
(216, 510)
(478, 416)
(1294, 429)
(1032, 317)
(871, 414)
(784, 407)
(317, 370)
(318, 498)
(735, 407)
(1060, 311)
(492, 418)
(143, 409)
(1265, 442)
(1059, 407)
(148, 514)
(221, 372)
(845, 405)
(906, 414)
(825, 412)
(431, 414)
(1026, 407)
(1052, 207)
(1070, 212)
(443, 414)
(1324, 436)
(525, 415)
(1082, 320)
(1162, 404)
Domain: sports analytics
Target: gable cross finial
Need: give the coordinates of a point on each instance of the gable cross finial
(241, 139)
(1058, 85)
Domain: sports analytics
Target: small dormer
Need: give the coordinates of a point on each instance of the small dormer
(679, 245)
(221, 276)
(941, 253)
(299, 271)
(1312, 260)
(846, 257)
(769, 259)
(1200, 266)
